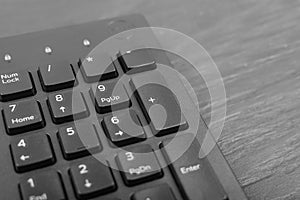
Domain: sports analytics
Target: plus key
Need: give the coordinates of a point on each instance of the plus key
(160, 105)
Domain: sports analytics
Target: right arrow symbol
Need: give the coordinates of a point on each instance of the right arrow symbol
(119, 133)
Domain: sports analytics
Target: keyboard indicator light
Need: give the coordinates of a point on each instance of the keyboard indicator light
(48, 50)
(7, 57)
(86, 42)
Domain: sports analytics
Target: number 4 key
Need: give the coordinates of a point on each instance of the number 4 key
(31, 152)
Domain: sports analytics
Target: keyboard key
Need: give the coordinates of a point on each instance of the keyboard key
(56, 76)
(44, 186)
(110, 96)
(23, 116)
(106, 198)
(91, 178)
(189, 170)
(16, 85)
(98, 67)
(123, 128)
(136, 61)
(31, 152)
(109, 198)
(77, 141)
(159, 104)
(138, 165)
(67, 106)
(156, 193)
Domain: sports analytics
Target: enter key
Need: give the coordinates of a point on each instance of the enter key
(194, 176)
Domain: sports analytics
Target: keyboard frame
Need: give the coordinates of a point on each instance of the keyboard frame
(27, 52)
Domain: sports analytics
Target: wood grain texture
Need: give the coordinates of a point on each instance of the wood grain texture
(255, 43)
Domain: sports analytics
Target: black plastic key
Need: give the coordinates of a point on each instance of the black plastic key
(15, 85)
(44, 186)
(138, 164)
(56, 76)
(158, 103)
(107, 198)
(137, 61)
(91, 178)
(160, 192)
(31, 152)
(23, 116)
(78, 140)
(97, 67)
(110, 96)
(67, 106)
(123, 128)
(182, 154)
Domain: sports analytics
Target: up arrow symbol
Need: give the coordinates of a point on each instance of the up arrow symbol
(62, 108)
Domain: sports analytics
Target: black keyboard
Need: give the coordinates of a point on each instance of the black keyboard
(78, 125)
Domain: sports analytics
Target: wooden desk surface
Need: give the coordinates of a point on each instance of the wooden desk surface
(256, 45)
